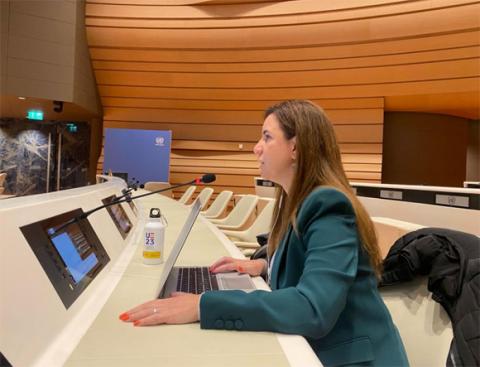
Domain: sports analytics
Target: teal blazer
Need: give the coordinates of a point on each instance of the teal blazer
(323, 288)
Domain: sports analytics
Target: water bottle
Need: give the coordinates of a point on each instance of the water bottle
(153, 238)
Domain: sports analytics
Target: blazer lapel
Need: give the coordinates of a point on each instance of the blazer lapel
(278, 257)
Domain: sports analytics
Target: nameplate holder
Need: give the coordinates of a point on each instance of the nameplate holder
(452, 200)
(265, 183)
(391, 194)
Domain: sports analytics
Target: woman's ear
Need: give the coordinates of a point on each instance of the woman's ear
(293, 142)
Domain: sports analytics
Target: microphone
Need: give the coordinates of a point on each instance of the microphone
(126, 197)
(206, 178)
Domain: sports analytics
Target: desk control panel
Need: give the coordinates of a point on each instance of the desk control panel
(71, 256)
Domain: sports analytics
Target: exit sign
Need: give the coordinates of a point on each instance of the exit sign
(35, 115)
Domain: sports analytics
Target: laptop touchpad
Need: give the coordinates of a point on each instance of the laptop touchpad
(235, 281)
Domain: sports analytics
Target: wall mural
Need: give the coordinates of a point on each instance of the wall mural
(24, 155)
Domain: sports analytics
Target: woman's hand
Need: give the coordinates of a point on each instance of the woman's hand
(180, 308)
(226, 264)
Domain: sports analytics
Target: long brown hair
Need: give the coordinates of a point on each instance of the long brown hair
(318, 163)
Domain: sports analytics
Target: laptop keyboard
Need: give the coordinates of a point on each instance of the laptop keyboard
(195, 280)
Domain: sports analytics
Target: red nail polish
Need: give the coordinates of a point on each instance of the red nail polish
(123, 317)
(136, 323)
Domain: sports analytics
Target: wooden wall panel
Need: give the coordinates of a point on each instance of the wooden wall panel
(235, 117)
(355, 133)
(402, 47)
(459, 53)
(207, 72)
(289, 30)
(406, 88)
(226, 149)
(293, 79)
(248, 105)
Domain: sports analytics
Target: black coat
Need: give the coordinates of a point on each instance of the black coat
(451, 260)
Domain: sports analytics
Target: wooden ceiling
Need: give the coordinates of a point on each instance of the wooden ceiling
(210, 56)
(207, 69)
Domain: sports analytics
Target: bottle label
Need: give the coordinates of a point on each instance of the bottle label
(151, 254)
(150, 239)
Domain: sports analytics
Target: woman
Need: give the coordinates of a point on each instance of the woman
(323, 255)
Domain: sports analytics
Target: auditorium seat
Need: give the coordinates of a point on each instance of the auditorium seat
(187, 195)
(423, 324)
(217, 208)
(204, 197)
(246, 240)
(239, 214)
(389, 230)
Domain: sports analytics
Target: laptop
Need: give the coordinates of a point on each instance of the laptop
(196, 279)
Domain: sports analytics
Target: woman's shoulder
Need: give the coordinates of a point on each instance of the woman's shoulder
(325, 200)
(326, 194)
(327, 191)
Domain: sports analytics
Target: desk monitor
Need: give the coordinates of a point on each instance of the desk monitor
(133, 207)
(118, 215)
(71, 257)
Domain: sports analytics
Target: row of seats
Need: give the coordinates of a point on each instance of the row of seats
(238, 224)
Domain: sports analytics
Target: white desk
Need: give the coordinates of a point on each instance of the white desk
(5, 196)
(110, 342)
(426, 214)
(89, 333)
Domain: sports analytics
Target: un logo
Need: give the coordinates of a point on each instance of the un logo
(160, 141)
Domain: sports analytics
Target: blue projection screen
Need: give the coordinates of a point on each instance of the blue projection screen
(143, 154)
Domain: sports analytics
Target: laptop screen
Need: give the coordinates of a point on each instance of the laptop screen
(177, 247)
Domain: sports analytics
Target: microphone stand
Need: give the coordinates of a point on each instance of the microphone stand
(124, 198)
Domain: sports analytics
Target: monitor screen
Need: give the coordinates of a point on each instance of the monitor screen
(133, 207)
(70, 254)
(118, 215)
(75, 252)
